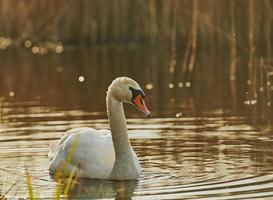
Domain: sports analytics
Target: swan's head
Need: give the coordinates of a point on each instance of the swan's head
(127, 90)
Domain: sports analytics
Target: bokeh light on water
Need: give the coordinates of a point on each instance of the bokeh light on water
(202, 142)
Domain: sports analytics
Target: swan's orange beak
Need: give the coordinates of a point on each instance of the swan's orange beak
(139, 102)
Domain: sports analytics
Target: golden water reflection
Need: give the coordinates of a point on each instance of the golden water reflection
(200, 157)
(202, 142)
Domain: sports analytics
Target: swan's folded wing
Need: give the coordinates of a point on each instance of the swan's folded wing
(91, 152)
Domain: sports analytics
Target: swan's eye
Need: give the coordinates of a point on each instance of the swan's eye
(136, 92)
(142, 95)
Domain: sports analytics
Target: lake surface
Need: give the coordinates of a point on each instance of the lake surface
(202, 141)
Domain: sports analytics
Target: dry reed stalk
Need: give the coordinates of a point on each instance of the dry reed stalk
(166, 19)
(262, 100)
(251, 72)
(232, 75)
(268, 29)
(194, 35)
(115, 20)
(269, 76)
(190, 53)
(173, 39)
(153, 21)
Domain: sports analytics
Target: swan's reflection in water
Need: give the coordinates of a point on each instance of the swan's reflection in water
(101, 189)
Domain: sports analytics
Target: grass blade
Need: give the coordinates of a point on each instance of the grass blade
(29, 186)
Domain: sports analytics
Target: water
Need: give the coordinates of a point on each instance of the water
(201, 143)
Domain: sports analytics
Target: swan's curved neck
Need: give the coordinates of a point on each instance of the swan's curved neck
(124, 166)
(118, 125)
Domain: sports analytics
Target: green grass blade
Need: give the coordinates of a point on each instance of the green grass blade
(58, 190)
(29, 187)
(4, 195)
(71, 153)
(70, 181)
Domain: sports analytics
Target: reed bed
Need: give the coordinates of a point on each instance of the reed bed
(244, 27)
(185, 28)
(139, 21)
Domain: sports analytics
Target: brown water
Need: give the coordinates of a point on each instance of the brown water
(201, 143)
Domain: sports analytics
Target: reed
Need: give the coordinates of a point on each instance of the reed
(190, 53)
(63, 185)
(29, 187)
(233, 49)
(4, 194)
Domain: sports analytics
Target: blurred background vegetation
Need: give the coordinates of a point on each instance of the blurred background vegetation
(149, 22)
(178, 40)
(243, 26)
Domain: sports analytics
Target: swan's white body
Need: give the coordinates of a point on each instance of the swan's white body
(94, 156)
(94, 153)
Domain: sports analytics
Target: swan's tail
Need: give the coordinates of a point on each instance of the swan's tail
(57, 161)
(55, 145)
(56, 153)
(53, 149)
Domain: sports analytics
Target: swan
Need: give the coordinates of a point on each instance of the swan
(103, 154)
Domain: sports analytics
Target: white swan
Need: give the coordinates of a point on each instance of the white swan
(95, 154)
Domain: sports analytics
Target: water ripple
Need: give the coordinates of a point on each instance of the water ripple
(181, 158)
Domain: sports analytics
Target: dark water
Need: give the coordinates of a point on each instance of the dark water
(201, 143)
